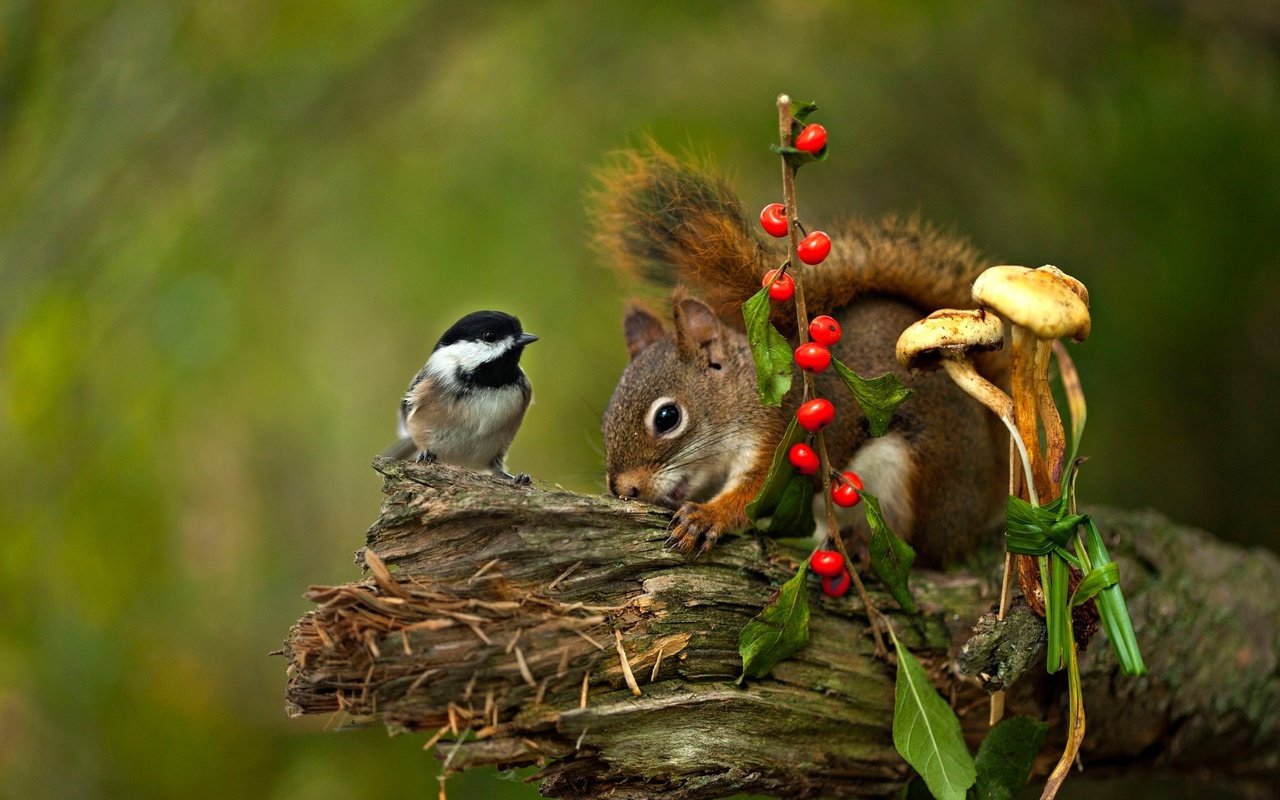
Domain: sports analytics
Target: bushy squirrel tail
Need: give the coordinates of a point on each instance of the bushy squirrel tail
(668, 222)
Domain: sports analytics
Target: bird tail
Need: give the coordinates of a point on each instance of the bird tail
(404, 449)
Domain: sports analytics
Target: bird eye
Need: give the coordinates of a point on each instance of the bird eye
(489, 336)
(666, 418)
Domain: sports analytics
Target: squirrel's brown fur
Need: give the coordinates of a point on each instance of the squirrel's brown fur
(666, 221)
(673, 224)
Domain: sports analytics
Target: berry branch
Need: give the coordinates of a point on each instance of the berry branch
(786, 499)
(815, 357)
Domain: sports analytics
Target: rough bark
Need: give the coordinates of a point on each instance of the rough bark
(502, 598)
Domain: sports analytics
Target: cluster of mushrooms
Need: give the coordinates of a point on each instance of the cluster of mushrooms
(1041, 306)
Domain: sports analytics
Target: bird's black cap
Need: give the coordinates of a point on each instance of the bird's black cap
(483, 326)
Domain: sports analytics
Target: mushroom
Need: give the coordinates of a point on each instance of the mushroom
(1055, 439)
(1040, 305)
(947, 337)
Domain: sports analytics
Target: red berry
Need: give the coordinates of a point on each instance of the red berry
(782, 289)
(815, 414)
(813, 357)
(845, 493)
(812, 139)
(838, 585)
(803, 458)
(824, 330)
(773, 218)
(813, 249)
(827, 563)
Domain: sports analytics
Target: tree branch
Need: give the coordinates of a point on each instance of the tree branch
(503, 598)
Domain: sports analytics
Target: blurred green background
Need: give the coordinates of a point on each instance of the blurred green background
(230, 233)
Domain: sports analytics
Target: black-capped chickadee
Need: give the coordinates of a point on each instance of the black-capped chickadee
(466, 404)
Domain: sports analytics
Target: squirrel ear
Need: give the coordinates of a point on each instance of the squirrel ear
(698, 333)
(641, 328)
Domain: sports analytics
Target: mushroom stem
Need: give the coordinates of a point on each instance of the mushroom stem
(1054, 435)
(1022, 358)
(1006, 583)
(987, 393)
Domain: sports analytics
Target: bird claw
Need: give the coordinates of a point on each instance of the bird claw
(519, 479)
(426, 457)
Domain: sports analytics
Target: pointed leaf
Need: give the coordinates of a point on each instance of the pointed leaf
(891, 558)
(798, 158)
(779, 630)
(926, 731)
(800, 111)
(1099, 578)
(793, 516)
(769, 349)
(780, 474)
(1005, 757)
(879, 397)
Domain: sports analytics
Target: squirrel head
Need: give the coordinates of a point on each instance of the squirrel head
(684, 419)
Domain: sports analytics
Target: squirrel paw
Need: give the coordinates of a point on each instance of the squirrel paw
(695, 526)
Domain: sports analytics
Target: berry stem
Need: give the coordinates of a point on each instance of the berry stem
(802, 329)
(793, 236)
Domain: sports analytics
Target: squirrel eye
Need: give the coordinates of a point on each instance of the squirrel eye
(666, 418)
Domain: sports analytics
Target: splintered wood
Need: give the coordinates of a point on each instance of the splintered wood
(442, 638)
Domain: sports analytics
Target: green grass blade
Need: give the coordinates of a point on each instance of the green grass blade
(1114, 610)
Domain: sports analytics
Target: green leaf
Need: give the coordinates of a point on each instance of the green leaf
(798, 158)
(793, 516)
(891, 558)
(1005, 757)
(780, 474)
(879, 397)
(800, 111)
(1113, 609)
(779, 630)
(1039, 530)
(926, 731)
(914, 789)
(1057, 612)
(1099, 578)
(769, 349)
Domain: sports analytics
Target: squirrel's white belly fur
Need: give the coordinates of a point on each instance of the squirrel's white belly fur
(887, 469)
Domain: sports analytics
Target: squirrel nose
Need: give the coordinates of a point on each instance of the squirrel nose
(626, 486)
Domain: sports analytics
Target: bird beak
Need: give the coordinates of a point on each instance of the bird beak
(526, 338)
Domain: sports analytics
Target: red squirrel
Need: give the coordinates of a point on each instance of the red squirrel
(685, 428)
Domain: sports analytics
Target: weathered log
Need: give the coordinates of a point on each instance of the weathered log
(513, 614)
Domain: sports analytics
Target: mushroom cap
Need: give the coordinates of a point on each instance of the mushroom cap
(1074, 284)
(1038, 300)
(949, 333)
